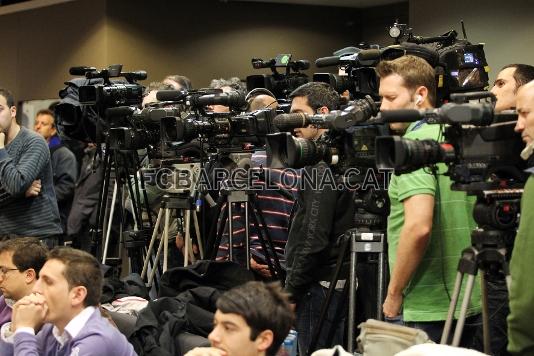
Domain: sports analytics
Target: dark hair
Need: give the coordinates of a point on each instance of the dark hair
(263, 306)
(184, 82)
(234, 83)
(9, 97)
(81, 269)
(414, 70)
(28, 252)
(523, 73)
(318, 95)
(157, 86)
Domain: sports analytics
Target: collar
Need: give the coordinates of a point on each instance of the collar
(54, 141)
(74, 326)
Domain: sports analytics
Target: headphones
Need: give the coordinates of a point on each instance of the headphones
(418, 99)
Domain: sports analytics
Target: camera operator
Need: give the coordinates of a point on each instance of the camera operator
(322, 214)
(429, 225)
(509, 80)
(178, 82)
(27, 196)
(520, 331)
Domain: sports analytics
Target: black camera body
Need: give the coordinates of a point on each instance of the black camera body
(280, 84)
(480, 147)
(348, 143)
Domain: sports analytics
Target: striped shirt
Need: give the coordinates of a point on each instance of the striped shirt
(23, 160)
(276, 206)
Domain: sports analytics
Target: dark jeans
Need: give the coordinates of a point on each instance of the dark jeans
(308, 313)
(434, 329)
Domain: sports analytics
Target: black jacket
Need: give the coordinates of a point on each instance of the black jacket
(323, 214)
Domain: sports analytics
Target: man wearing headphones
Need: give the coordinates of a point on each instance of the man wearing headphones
(429, 225)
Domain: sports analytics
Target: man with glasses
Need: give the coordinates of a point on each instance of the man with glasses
(21, 260)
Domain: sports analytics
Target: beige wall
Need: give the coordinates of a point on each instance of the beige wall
(40, 45)
(506, 27)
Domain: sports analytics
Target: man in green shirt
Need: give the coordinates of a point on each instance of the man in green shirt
(429, 225)
(520, 329)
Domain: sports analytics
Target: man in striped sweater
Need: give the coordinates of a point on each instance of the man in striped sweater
(27, 198)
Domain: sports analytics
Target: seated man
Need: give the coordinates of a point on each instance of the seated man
(252, 319)
(66, 298)
(21, 260)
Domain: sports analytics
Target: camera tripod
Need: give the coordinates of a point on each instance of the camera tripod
(229, 196)
(180, 203)
(121, 166)
(487, 253)
(369, 238)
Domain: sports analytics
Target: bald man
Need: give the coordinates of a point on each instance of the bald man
(520, 330)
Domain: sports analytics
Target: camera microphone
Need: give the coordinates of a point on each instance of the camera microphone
(327, 61)
(81, 70)
(369, 55)
(405, 115)
(120, 111)
(233, 98)
(171, 95)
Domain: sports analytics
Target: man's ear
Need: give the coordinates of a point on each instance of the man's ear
(13, 110)
(30, 276)
(422, 91)
(78, 295)
(264, 340)
(323, 110)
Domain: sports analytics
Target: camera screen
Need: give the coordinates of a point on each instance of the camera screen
(469, 58)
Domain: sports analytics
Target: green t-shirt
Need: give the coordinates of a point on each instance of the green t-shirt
(425, 297)
(520, 330)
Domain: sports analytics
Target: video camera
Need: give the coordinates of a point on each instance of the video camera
(348, 143)
(280, 84)
(480, 147)
(80, 113)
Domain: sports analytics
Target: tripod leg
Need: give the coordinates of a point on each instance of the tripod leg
(158, 253)
(151, 246)
(324, 308)
(188, 250)
(485, 313)
(108, 232)
(352, 295)
(247, 239)
(381, 283)
(452, 307)
(463, 312)
(166, 238)
(197, 232)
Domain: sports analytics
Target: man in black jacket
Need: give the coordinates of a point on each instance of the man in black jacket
(323, 213)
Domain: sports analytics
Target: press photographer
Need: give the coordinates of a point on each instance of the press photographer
(429, 224)
(520, 331)
(322, 215)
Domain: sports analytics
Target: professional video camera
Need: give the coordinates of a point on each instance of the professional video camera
(348, 143)
(280, 84)
(480, 147)
(80, 114)
(222, 130)
(460, 66)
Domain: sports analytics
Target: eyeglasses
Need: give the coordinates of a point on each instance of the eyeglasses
(4, 270)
